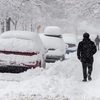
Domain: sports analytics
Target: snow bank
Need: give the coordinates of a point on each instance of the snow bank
(59, 81)
(52, 30)
(40, 84)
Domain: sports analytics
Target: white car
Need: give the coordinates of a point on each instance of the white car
(54, 43)
(20, 50)
(71, 42)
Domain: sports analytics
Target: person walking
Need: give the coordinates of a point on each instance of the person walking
(97, 41)
(85, 51)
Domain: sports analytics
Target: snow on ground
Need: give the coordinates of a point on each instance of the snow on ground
(59, 81)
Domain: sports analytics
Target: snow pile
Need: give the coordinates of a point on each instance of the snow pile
(52, 30)
(59, 81)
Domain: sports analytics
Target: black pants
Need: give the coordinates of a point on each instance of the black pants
(87, 69)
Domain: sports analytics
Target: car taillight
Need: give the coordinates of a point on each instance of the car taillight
(19, 53)
(71, 45)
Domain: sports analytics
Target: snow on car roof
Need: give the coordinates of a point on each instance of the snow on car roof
(22, 41)
(19, 34)
(52, 30)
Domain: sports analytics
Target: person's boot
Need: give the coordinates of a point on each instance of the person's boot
(84, 80)
(89, 78)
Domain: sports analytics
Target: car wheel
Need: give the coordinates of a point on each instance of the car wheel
(62, 58)
(44, 64)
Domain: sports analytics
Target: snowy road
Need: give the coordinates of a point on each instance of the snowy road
(59, 81)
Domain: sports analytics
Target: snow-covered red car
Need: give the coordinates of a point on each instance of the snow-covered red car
(54, 43)
(20, 50)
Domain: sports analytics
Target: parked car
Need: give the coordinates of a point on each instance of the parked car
(71, 42)
(20, 50)
(54, 43)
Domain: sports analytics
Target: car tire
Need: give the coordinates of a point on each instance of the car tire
(62, 58)
(44, 64)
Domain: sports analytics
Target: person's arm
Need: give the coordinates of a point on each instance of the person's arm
(94, 49)
(79, 51)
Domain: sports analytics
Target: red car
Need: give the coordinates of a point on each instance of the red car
(20, 50)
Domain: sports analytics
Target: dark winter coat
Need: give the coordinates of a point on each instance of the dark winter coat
(86, 50)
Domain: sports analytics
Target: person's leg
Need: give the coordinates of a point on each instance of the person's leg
(84, 71)
(98, 47)
(90, 68)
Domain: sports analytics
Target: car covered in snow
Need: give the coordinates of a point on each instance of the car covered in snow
(54, 43)
(20, 50)
(71, 42)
